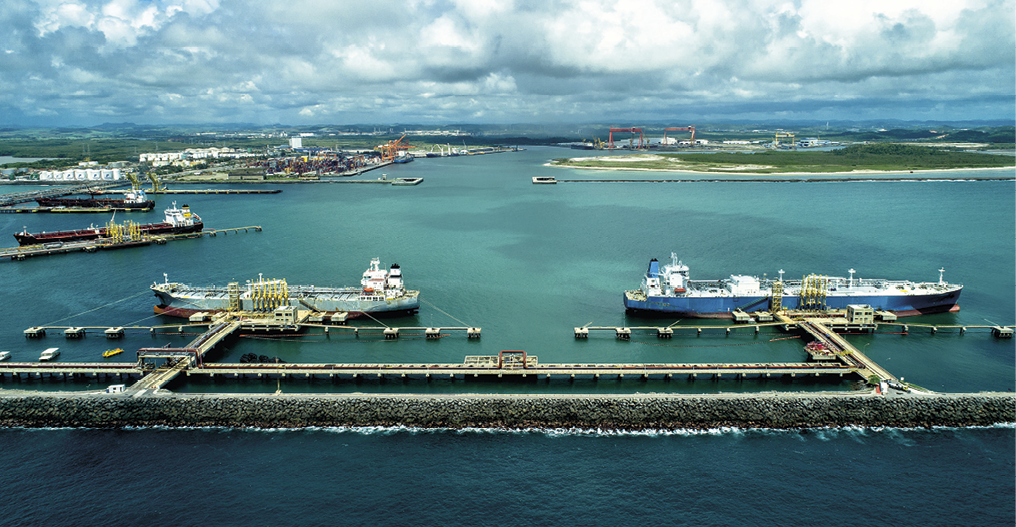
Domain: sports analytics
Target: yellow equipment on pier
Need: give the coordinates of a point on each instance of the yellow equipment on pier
(266, 295)
(814, 289)
(129, 231)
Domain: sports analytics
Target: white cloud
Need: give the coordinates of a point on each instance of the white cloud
(500, 59)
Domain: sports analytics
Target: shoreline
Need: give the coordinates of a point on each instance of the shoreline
(618, 412)
(777, 174)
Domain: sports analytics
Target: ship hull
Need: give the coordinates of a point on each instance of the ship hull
(98, 203)
(92, 234)
(723, 306)
(184, 305)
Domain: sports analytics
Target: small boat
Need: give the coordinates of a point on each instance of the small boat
(49, 354)
(4, 355)
(109, 353)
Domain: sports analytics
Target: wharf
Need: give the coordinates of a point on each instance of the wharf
(26, 251)
(835, 358)
(495, 366)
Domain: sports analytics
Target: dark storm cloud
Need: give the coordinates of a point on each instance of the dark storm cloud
(314, 61)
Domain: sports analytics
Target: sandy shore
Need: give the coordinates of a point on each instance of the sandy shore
(748, 168)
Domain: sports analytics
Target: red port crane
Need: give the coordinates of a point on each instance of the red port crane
(390, 149)
(679, 128)
(610, 139)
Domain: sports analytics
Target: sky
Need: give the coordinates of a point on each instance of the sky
(303, 62)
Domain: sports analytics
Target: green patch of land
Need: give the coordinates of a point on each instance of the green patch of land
(856, 158)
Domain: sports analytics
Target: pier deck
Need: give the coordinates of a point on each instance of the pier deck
(839, 358)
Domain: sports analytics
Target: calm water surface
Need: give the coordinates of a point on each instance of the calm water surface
(527, 263)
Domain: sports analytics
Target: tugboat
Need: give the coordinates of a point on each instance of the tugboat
(178, 221)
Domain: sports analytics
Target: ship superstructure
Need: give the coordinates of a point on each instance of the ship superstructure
(669, 289)
(381, 291)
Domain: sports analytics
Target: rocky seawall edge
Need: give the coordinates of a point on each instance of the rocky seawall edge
(610, 412)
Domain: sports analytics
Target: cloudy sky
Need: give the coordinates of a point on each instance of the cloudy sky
(85, 62)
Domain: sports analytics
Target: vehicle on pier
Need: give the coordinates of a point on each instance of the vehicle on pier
(668, 289)
(381, 291)
(178, 221)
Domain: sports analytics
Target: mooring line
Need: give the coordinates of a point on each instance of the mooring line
(98, 308)
(445, 313)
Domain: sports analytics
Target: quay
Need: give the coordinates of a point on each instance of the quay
(21, 253)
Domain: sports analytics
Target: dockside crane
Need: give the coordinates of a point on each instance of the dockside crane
(631, 140)
(156, 184)
(784, 135)
(677, 129)
(391, 149)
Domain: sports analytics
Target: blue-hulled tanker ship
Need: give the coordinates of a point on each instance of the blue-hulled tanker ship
(668, 289)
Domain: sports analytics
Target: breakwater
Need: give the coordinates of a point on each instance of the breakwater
(612, 412)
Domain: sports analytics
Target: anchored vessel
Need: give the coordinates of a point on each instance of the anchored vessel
(178, 221)
(669, 290)
(381, 292)
(132, 200)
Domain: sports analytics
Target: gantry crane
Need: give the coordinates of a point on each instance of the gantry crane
(679, 128)
(390, 149)
(784, 135)
(631, 140)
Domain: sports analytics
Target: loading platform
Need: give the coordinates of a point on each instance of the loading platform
(834, 357)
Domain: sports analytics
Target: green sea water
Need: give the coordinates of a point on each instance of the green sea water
(527, 263)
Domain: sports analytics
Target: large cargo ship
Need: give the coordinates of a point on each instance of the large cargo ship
(178, 221)
(668, 289)
(381, 292)
(133, 200)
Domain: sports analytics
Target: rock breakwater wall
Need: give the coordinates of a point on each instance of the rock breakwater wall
(618, 412)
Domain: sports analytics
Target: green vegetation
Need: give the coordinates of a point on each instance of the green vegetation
(879, 156)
